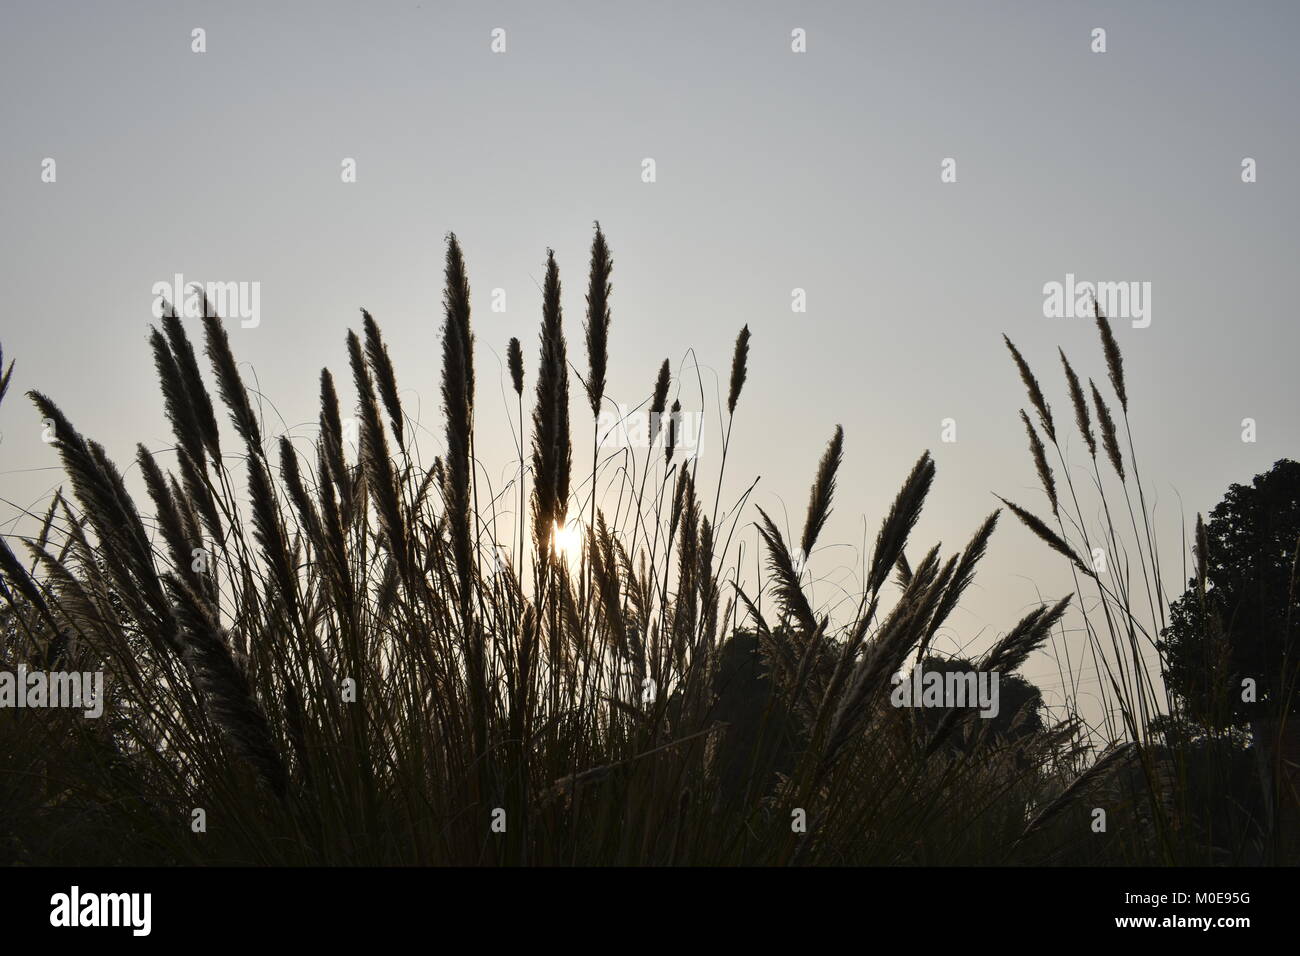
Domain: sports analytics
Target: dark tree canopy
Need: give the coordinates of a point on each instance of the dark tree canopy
(1246, 623)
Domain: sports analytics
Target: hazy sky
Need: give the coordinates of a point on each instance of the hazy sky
(775, 170)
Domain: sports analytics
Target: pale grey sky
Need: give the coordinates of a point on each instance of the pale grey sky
(775, 170)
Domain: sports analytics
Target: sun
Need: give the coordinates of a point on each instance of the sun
(567, 541)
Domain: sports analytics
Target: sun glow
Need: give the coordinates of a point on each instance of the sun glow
(567, 541)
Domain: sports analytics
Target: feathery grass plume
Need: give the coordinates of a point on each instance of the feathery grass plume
(1114, 360)
(708, 583)
(331, 439)
(887, 652)
(47, 523)
(962, 576)
(823, 490)
(1053, 540)
(455, 300)
(1035, 393)
(64, 586)
(192, 529)
(936, 579)
(385, 378)
(1008, 654)
(789, 594)
(336, 552)
(132, 547)
(659, 400)
(192, 475)
(7, 373)
(675, 512)
(934, 597)
(604, 566)
(637, 590)
(739, 364)
(292, 478)
(458, 406)
(597, 326)
(192, 379)
(1080, 786)
(17, 575)
(269, 531)
(229, 385)
(898, 524)
(224, 688)
(184, 399)
(1040, 463)
(1109, 437)
(113, 516)
(376, 463)
(552, 445)
(457, 477)
(1080, 402)
(176, 403)
(674, 423)
(515, 359)
(904, 571)
(686, 607)
(171, 522)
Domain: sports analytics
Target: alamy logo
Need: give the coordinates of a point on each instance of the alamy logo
(72, 690)
(102, 909)
(235, 300)
(947, 689)
(637, 428)
(1117, 300)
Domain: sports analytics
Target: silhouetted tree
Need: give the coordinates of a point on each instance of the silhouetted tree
(1244, 623)
(1239, 621)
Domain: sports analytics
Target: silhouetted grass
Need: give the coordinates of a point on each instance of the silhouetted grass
(353, 663)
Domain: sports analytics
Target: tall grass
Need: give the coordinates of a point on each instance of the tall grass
(1176, 786)
(339, 656)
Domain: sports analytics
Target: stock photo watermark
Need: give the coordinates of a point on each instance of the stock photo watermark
(77, 909)
(195, 300)
(637, 428)
(68, 690)
(1074, 299)
(960, 689)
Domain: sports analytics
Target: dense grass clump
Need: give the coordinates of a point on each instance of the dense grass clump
(342, 653)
